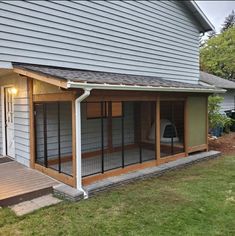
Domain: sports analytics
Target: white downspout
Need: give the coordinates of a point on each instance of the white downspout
(78, 140)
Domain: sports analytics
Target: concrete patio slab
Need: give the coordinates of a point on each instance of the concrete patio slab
(34, 204)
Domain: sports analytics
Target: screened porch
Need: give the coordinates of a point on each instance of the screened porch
(114, 134)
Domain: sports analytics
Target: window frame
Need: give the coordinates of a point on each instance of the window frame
(106, 109)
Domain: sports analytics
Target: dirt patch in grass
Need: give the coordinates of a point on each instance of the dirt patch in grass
(224, 144)
(171, 196)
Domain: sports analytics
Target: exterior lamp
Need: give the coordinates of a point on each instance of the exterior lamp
(13, 91)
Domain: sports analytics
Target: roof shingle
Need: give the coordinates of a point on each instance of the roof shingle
(105, 77)
(216, 81)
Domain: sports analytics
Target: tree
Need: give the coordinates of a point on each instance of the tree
(217, 56)
(229, 22)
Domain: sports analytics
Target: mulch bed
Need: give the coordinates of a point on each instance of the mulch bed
(5, 160)
(224, 144)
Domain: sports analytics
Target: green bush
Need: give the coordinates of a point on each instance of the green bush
(215, 117)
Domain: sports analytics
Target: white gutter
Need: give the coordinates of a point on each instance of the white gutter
(72, 84)
(78, 140)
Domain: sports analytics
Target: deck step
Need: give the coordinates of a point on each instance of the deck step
(26, 196)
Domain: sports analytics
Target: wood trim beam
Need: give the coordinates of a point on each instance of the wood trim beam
(143, 97)
(56, 175)
(171, 158)
(104, 95)
(54, 97)
(158, 130)
(31, 118)
(45, 78)
(56, 161)
(201, 147)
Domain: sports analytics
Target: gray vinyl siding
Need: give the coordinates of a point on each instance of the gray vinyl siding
(1, 142)
(21, 118)
(91, 130)
(229, 100)
(22, 129)
(155, 38)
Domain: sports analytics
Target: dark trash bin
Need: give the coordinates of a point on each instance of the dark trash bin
(217, 131)
(231, 114)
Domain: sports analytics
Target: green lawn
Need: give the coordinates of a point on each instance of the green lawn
(199, 200)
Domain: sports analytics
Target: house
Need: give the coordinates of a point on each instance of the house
(229, 97)
(91, 89)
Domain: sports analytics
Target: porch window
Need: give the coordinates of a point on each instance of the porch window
(116, 109)
(95, 110)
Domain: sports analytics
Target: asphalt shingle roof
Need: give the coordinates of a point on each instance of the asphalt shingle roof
(105, 77)
(216, 81)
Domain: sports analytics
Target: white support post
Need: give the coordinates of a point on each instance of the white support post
(78, 140)
(78, 146)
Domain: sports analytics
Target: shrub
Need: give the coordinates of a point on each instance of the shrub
(216, 119)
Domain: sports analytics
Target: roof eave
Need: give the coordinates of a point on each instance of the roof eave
(72, 84)
(198, 13)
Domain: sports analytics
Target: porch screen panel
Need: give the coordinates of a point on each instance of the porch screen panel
(132, 147)
(172, 127)
(114, 150)
(148, 131)
(39, 134)
(53, 135)
(92, 142)
(65, 124)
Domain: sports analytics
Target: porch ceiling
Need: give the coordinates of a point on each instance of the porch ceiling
(104, 80)
(4, 72)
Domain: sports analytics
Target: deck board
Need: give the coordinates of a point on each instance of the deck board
(17, 181)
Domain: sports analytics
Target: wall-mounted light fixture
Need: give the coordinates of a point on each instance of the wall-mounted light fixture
(13, 91)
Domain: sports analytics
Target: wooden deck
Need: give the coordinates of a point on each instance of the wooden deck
(19, 183)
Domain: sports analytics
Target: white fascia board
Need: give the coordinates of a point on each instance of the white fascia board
(200, 14)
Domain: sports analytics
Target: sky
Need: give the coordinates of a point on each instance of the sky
(216, 11)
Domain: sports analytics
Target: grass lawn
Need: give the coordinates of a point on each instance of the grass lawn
(199, 200)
